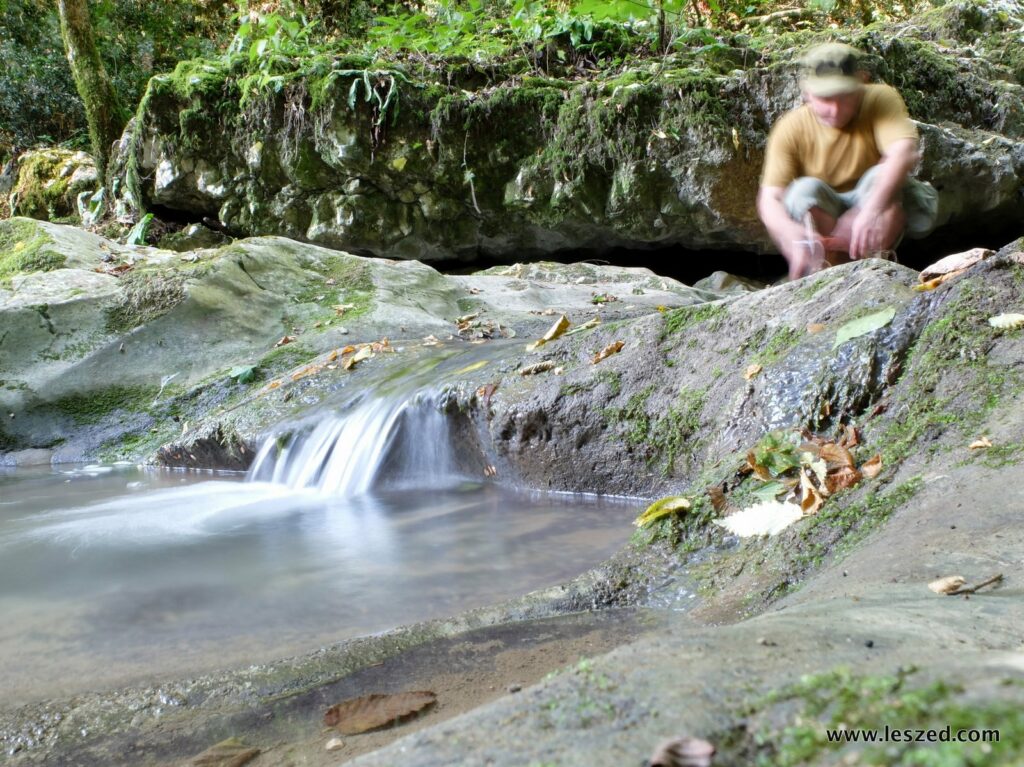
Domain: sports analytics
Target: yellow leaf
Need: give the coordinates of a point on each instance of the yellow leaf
(608, 351)
(590, 324)
(663, 508)
(18, 245)
(364, 353)
(751, 371)
(980, 444)
(948, 584)
(399, 163)
(556, 330)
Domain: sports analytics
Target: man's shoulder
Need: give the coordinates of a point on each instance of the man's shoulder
(880, 94)
(795, 121)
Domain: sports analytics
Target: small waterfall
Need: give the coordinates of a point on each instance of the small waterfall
(379, 441)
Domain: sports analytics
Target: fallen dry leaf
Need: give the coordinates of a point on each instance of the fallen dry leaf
(947, 585)
(363, 354)
(935, 282)
(588, 325)
(308, 370)
(836, 454)
(1007, 321)
(841, 479)
(332, 356)
(872, 467)
(850, 437)
(608, 351)
(815, 327)
(284, 340)
(956, 262)
(485, 393)
(340, 309)
(980, 444)
(465, 318)
(431, 341)
(348, 350)
(368, 712)
(717, 495)
(751, 371)
(537, 367)
(811, 498)
(561, 325)
(227, 753)
(683, 752)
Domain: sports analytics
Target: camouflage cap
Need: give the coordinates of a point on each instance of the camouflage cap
(831, 69)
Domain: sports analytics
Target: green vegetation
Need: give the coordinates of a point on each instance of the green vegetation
(610, 378)
(777, 345)
(661, 437)
(24, 248)
(91, 408)
(687, 317)
(839, 699)
(346, 281)
(955, 345)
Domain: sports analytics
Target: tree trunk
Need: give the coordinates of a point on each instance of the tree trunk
(103, 110)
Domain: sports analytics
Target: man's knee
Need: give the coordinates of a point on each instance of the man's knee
(809, 192)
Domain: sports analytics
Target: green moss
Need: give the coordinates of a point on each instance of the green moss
(283, 358)
(687, 317)
(661, 437)
(93, 407)
(818, 284)
(42, 192)
(346, 280)
(953, 347)
(777, 345)
(839, 699)
(146, 295)
(25, 247)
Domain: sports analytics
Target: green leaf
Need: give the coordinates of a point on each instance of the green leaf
(769, 491)
(864, 325)
(243, 373)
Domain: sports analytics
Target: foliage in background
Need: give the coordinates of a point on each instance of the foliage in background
(272, 39)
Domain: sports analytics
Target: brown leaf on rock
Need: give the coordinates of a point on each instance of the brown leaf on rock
(955, 263)
(608, 351)
(751, 371)
(284, 340)
(485, 393)
(980, 444)
(836, 455)
(368, 712)
(811, 498)
(849, 437)
(947, 585)
(228, 753)
(683, 752)
(872, 467)
(815, 327)
(717, 495)
(364, 353)
(555, 331)
(537, 367)
(842, 478)
(759, 471)
(340, 309)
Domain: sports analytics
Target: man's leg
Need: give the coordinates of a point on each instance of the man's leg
(891, 222)
(818, 206)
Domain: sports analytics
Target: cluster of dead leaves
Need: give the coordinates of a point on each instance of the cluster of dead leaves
(810, 469)
(347, 357)
(471, 327)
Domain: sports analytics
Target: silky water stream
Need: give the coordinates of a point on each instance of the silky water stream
(363, 517)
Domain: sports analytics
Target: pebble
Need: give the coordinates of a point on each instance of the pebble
(515, 687)
(334, 744)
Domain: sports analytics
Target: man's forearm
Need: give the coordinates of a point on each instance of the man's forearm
(781, 228)
(896, 164)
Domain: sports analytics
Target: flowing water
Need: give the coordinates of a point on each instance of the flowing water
(355, 521)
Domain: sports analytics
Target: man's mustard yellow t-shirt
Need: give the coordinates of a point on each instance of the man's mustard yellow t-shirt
(799, 145)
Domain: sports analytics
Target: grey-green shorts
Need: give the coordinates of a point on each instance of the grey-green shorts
(920, 200)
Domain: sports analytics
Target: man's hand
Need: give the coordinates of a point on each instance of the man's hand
(805, 257)
(875, 229)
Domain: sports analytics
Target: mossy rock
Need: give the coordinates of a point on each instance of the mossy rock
(49, 182)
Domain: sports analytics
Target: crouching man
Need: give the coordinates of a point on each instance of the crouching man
(835, 184)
